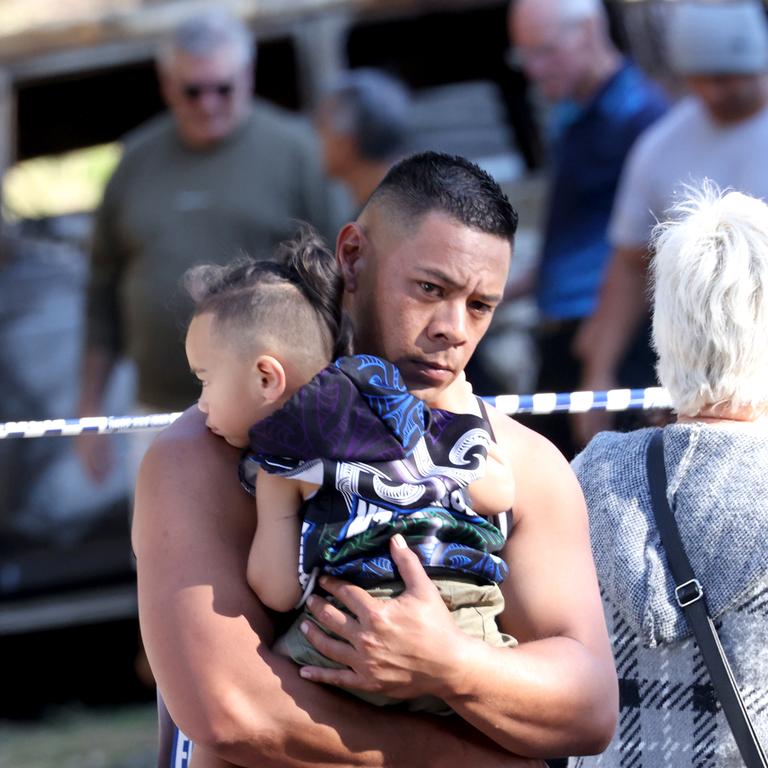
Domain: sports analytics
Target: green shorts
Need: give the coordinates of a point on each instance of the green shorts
(473, 607)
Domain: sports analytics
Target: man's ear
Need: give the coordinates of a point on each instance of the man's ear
(268, 378)
(350, 254)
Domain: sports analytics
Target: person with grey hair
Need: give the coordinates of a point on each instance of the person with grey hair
(601, 102)
(218, 174)
(207, 110)
(720, 132)
(710, 314)
(362, 121)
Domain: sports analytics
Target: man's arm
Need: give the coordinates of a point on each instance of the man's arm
(94, 452)
(604, 338)
(207, 637)
(561, 680)
(556, 693)
(96, 369)
(103, 332)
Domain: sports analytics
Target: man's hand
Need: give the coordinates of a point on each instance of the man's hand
(390, 644)
(96, 455)
(585, 426)
(94, 451)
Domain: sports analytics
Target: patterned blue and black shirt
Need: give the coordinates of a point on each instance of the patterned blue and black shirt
(385, 463)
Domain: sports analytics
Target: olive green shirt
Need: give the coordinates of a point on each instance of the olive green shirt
(168, 207)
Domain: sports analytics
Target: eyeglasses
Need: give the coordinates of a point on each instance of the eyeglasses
(518, 57)
(193, 91)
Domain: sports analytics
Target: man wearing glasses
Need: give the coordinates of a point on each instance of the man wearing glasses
(218, 174)
(600, 103)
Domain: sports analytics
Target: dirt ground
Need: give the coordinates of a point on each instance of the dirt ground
(79, 737)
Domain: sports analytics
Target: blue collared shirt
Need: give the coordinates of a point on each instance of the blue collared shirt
(588, 156)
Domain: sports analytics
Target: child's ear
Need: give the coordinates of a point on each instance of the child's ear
(268, 377)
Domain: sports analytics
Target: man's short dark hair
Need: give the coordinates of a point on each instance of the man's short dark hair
(435, 182)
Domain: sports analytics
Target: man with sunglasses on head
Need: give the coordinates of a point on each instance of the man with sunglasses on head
(600, 102)
(219, 173)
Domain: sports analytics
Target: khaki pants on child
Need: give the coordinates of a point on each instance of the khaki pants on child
(473, 608)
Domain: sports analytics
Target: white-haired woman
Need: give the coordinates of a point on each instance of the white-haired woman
(710, 331)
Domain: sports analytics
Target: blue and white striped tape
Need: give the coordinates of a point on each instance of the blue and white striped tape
(512, 405)
(98, 425)
(580, 402)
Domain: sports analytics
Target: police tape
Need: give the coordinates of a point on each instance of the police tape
(512, 405)
(98, 425)
(581, 402)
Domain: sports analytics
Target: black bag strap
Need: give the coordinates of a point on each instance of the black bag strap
(690, 597)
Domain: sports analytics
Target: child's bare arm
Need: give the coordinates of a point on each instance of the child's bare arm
(494, 493)
(274, 556)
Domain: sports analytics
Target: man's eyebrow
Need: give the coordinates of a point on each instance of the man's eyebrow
(451, 284)
(194, 370)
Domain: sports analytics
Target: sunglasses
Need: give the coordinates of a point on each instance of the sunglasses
(193, 91)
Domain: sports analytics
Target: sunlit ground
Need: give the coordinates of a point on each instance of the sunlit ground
(58, 184)
(123, 737)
